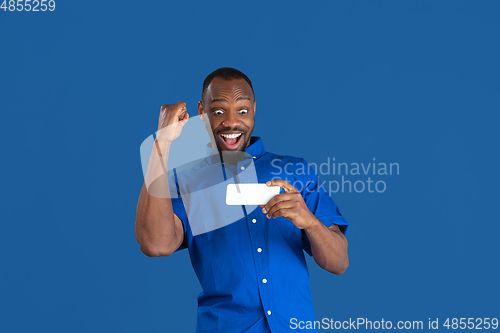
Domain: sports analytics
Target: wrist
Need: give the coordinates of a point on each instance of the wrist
(314, 224)
(162, 146)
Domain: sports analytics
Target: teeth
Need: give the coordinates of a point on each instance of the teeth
(231, 136)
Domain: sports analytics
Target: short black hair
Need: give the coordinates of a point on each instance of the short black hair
(226, 73)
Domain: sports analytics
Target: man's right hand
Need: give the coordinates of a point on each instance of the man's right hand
(158, 230)
(172, 118)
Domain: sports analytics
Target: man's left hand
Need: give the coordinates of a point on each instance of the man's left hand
(290, 205)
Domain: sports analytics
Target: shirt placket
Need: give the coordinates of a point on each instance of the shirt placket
(256, 229)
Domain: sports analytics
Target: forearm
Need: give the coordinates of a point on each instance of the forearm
(328, 247)
(155, 228)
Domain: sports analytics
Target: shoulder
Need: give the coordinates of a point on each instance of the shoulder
(192, 171)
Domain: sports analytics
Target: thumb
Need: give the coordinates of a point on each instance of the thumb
(184, 119)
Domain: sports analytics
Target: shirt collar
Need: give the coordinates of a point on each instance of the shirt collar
(256, 148)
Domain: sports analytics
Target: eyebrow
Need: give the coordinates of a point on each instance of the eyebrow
(224, 100)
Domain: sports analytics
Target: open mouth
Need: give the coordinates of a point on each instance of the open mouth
(231, 140)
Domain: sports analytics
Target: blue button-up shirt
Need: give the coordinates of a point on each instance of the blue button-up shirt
(252, 269)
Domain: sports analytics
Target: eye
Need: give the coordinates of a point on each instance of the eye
(218, 111)
(243, 111)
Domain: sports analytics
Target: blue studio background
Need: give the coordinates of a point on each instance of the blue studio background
(408, 82)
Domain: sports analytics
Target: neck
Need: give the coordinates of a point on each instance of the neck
(232, 157)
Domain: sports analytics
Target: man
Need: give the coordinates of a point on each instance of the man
(252, 271)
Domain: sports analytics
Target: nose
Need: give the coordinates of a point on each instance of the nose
(231, 120)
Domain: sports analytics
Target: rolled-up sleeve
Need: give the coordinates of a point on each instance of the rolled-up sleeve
(178, 205)
(322, 206)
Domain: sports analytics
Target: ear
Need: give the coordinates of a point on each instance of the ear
(201, 110)
(254, 107)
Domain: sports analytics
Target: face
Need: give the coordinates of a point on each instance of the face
(230, 108)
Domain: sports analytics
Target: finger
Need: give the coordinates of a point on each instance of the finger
(163, 115)
(180, 109)
(163, 110)
(181, 104)
(184, 119)
(280, 205)
(283, 184)
(162, 118)
(182, 114)
(287, 213)
(274, 200)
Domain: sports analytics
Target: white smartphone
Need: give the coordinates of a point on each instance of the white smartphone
(250, 194)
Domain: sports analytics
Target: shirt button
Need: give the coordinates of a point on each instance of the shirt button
(259, 250)
(268, 312)
(264, 280)
(242, 168)
(254, 220)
